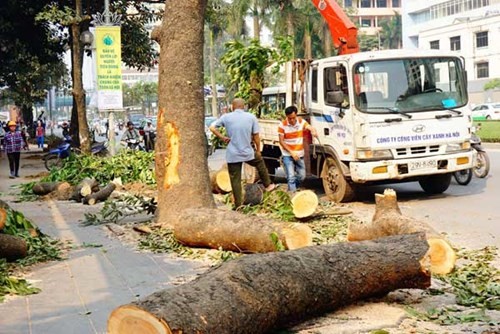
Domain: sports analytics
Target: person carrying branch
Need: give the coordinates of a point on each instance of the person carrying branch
(291, 133)
(242, 130)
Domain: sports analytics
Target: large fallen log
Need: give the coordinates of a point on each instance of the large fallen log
(86, 187)
(262, 292)
(101, 195)
(388, 220)
(230, 230)
(44, 188)
(12, 248)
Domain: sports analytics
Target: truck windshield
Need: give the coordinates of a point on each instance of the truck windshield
(409, 85)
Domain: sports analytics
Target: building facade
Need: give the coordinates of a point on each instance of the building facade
(368, 14)
(467, 27)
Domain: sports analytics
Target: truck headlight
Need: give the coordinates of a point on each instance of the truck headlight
(373, 154)
(455, 147)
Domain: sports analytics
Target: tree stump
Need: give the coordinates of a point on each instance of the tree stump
(44, 188)
(12, 248)
(101, 195)
(230, 230)
(388, 220)
(259, 293)
(304, 203)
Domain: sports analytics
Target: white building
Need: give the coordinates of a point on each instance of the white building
(468, 27)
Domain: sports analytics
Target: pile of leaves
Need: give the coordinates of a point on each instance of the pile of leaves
(276, 204)
(41, 248)
(128, 165)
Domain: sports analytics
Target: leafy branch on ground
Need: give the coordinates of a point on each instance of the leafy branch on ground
(116, 209)
(276, 204)
(452, 316)
(40, 248)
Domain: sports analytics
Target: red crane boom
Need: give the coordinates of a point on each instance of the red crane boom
(344, 32)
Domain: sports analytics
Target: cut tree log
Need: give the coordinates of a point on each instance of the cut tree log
(220, 181)
(304, 203)
(3, 217)
(12, 248)
(44, 188)
(101, 195)
(259, 293)
(388, 220)
(86, 187)
(230, 230)
(253, 193)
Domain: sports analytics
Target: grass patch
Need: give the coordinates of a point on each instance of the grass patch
(489, 132)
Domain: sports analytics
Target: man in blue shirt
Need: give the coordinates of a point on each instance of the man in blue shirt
(242, 130)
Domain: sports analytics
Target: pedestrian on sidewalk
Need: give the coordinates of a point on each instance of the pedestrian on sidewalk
(291, 134)
(242, 129)
(40, 134)
(13, 142)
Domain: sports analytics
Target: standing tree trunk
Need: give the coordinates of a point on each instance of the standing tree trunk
(181, 163)
(215, 109)
(78, 92)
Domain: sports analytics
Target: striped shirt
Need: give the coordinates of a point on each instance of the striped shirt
(293, 136)
(13, 142)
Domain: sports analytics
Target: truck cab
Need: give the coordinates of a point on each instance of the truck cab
(382, 117)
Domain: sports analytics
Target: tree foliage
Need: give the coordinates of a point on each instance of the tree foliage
(495, 83)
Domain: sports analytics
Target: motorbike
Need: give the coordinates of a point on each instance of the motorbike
(481, 166)
(135, 144)
(55, 157)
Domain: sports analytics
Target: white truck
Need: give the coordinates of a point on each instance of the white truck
(382, 117)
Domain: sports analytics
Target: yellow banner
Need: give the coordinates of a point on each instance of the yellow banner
(109, 67)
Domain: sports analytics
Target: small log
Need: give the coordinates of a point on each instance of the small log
(12, 248)
(230, 230)
(253, 193)
(388, 220)
(220, 181)
(304, 203)
(44, 188)
(101, 195)
(3, 217)
(86, 187)
(264, 292)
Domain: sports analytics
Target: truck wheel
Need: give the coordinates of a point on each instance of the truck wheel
(436, 184)
(336, 187)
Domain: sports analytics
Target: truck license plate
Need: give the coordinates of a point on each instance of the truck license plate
(425, 164)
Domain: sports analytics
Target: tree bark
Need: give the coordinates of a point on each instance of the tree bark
(44, 188)
(253, 194)
(101, 195)
(12, 248)
(388, 220)
(259, 293)
(231, 230)
(181, 162)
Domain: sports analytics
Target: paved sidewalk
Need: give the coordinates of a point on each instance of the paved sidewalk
(78, 293)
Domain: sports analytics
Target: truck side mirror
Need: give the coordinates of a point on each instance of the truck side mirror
(335, 97)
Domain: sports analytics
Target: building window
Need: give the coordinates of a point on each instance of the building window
(434, 45)
(365, 4)
(396, 4)
(381, 3)
(455, 43)
(481, 39)
(348, 3)
(366, 23)
(482, 70)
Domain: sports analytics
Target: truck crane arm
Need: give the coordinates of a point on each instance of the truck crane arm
(344, 32)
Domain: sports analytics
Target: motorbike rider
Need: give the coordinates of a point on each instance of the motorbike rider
(131, 133)
(65, 129)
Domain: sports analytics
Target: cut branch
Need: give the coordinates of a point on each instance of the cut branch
(12, 248)
(101, 195)
(44, 188)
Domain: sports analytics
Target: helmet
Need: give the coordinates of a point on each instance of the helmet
(65, 124)
(129, 123)
(11, 123)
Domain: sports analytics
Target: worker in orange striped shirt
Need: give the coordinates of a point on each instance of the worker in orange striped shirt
(291, 133)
